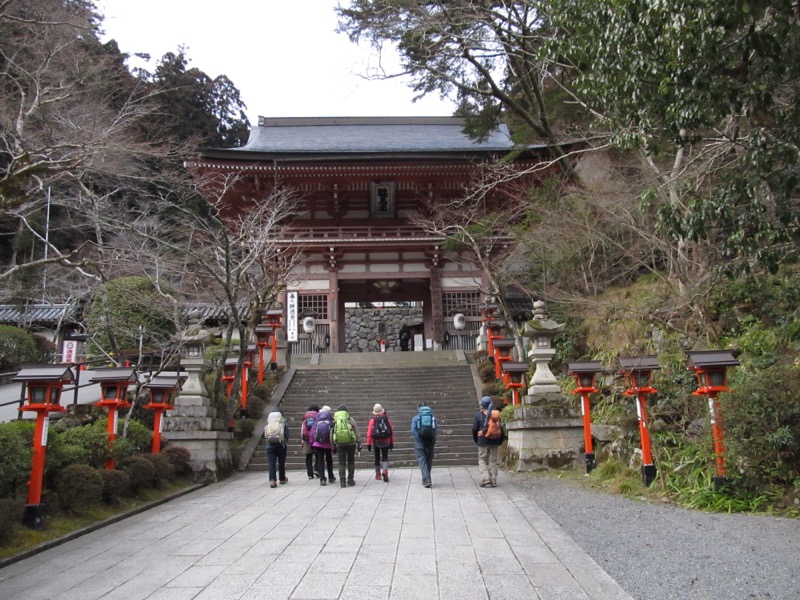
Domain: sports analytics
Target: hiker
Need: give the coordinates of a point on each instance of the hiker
(276, 433)
(423, 427)
(487, 433)
(345, 437)
(322, 444)
(380, 435)
(305, 439)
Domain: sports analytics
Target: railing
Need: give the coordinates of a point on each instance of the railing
(369, 232)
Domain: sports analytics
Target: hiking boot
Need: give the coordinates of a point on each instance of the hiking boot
(284, 481)
(427, 483)
(494, 484)
(311, 476)
(351, 482)
(343, 483)
(332, 479)
(272, 483)
(322, 481)
(486, 483)
(377, 476)
(386, 476)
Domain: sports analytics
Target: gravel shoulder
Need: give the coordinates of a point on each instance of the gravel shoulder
(662, 552)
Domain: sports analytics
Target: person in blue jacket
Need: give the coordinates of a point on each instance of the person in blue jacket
(423, 427)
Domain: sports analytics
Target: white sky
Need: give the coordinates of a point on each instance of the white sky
(284, 56)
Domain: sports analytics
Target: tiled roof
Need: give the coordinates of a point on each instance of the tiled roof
(22, 315)
(359, 135)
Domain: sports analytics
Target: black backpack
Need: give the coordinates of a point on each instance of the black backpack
(381, 429)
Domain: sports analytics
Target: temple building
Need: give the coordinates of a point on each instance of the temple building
(362, 181)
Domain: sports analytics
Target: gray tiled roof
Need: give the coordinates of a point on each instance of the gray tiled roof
(37, 314)
(347, 135)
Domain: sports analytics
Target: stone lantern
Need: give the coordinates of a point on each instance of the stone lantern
(541, 331)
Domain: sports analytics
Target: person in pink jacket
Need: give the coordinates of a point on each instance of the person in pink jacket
(380, 435)
(323, 444)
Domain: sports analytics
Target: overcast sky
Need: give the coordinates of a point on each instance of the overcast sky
(284, 56)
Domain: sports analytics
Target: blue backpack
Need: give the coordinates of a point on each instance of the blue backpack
(425, 423)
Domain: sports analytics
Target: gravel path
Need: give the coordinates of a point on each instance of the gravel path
(661, 552)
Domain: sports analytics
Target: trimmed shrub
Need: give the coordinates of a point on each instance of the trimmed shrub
(78, 486)
(139, 435)
(486, 371)
(15, 450)
(17, 347)
(11, 510)
(162, 468)
(141, 472)
(90, 443)
(244, 428)
(179, 458)
(116, 484)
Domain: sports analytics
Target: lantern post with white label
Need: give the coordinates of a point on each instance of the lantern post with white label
(162, 390)
(43, 396)
(114, 384)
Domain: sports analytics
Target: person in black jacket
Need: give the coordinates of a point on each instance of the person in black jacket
(487, 449)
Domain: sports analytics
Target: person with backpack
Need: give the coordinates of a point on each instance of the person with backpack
(305, 439)
(345, 437)
(487, 433)
(380, 435)
(323, 444)
(276, 433)
(424, 430)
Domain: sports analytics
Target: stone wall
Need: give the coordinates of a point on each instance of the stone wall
(365, 327)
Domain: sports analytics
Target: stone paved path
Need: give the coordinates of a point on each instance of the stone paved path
(241, 540)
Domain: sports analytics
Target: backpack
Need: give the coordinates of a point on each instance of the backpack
(342, 428)
(425, 423)
(322, 428)
(492, 428)
(274, 431)
(308, 424)
(381, 429)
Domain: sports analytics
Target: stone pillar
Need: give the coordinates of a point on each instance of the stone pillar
(547, 430)
(193, 425)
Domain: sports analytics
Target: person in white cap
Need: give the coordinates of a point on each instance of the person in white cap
(380, 435)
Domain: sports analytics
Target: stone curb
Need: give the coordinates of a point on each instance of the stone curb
(4, 562)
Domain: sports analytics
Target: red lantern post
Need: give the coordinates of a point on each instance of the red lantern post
(514, 378)
(274, 316)
(502, 353)
(638, 371)
(585, 373)
(710, 370)
(43, 396)
(228, 373)
(162, 389)
(263, 334)
(114, 384)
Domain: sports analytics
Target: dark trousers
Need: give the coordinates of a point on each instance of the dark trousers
(277, 454)
(347, 462)
(381, 456)
(325, 457)
(310, 463)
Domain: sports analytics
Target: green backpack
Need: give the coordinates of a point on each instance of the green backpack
(343, 432)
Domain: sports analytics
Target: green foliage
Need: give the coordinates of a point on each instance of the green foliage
(486, 371)
(116, 485)
(139, 435)
(89, 443)
(179, 458)
(162, 469)
(244, 428)
(141, 472)
(16, 453)
(761, 418)
(11, 511)
(124, 308)
(17, 347)
(79, 486)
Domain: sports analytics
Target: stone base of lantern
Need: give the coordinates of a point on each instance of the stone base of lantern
(546, 433)
(210, 453)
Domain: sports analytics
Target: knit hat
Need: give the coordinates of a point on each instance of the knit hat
(325, 408)
(377, 410)
(342, 407)
(485, 402)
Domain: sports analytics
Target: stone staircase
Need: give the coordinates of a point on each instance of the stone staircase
(398, 381)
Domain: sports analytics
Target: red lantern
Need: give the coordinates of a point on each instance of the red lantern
(638, 371)
(585, 373)
(114, 384)
(162, 390)
(502, 353)
(514, 378)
